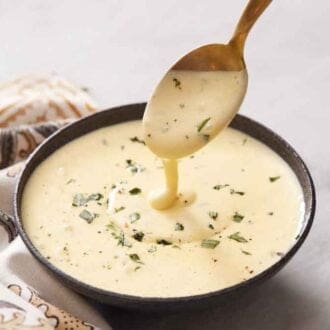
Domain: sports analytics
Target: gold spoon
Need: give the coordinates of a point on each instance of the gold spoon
(226, 57)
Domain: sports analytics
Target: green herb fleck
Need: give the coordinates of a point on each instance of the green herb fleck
(213, 215)
(176, 246)
(122, 239)
(135, 191)
(238, 238)
(206, 137)
(135, 257)
(137, 268)
(211, 226)
(133, 166)
(136, 139)
(177, 83)
(82, 199)
(112, 226)
(118, 209)
(273, 178)
(238, 217)
(163, 242)
(246, 252)
(87, 216)
(202, 124)
(209, 243)
(179, 226)
(233, 192)
(270, 213)
(244, 141)
(79, 200)
(134, 217)
(70, 181)
(138, 236)
(95, 197)
(220, 186)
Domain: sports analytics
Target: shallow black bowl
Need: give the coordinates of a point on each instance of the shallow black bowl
(135, 111)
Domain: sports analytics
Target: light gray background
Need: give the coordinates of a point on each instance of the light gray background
(119, 49)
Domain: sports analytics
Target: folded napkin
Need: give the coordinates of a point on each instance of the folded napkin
(31, 297)
(23, 275)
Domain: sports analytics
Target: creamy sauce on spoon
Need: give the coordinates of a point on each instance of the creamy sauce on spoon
(187, 110)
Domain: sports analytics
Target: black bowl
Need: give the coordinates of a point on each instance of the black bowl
(135, 111)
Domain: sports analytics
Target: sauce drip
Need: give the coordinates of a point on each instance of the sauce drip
(187, 110)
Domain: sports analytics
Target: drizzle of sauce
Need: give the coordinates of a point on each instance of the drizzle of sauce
(187, 110)
(165, 197)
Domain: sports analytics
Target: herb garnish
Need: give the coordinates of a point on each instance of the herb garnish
(177, 83)
(138, 236)
(87, 216)
(79, 200)
(95, 197)
(70, 181)
(238, 238)
(179, 226)
(246, 252)
(136, 139)
(202, 124)
(118, 209)
(273, 178)
(134, 217)
(134, 257)
(206, 137)
(163, 242)
(211, 226)
(233, 192)
(213, 215)
(220, 186)
(270, 213)
(209, 243)
(135, 191)
(176, 247)
(82, 199)
(133, 166)
(112, 226)
(238, 217)
(122, 239)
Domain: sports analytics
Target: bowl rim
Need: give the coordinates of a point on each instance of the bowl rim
(83, 287)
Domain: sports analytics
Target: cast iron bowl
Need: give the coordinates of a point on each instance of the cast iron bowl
(132, 112)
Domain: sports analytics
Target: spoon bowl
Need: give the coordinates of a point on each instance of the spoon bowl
(200, 94)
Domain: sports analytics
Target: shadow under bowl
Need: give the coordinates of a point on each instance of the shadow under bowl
(134, 112)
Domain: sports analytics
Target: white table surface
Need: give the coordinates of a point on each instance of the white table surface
(119, 49)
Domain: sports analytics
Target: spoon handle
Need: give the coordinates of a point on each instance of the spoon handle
(249, 16)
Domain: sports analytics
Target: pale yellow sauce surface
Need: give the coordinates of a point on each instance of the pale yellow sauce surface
(248, 202)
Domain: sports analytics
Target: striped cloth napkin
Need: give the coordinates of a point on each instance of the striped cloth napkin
(30, 297)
